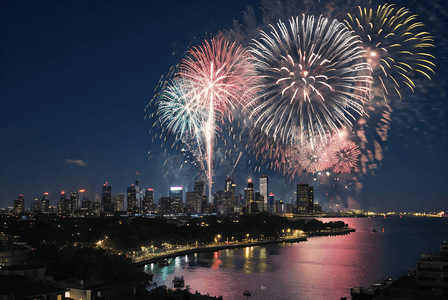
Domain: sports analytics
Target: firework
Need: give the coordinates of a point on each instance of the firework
(223, 74)
(180, 111)
(313, 79)
(308, 158)
(346, 156)
(396, 45)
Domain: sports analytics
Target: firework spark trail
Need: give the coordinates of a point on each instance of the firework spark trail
(397, 46)
(237, 160)
(314, 79)
(225, 76)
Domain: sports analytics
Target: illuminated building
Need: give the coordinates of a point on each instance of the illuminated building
(278, 207)
(164, 205)
(249, 195)
(264, 192)
(218, 198)
(177, 199)
(106, 198)
(118, 202)
(45, 204)
(229, 202)
(199, 187)
(97, 204)
(137, 193)
(19, 205)
(73, 202)
(271, 202)
(86, 204)
(132, 204)
(305, 198)
(193, 202)
(148, 204)
(35, 205)
(62, 205)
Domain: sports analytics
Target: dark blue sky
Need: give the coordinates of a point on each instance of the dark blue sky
(76, 76)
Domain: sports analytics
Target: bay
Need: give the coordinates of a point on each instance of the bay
(320, 268)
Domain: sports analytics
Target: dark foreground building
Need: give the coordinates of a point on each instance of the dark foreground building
(429, 280)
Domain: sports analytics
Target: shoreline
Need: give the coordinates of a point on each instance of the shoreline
(144, 262)
(218, 247)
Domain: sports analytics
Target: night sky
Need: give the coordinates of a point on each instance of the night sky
(76, 76)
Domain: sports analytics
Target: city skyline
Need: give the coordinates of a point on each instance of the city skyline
(109, 193)
(76, 78)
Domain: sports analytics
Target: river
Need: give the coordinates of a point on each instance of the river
(320, 268)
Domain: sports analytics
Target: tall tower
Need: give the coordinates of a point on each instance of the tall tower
(118, 203)
(73, 201)
(177, 199)
(132, 205)
(61, 204)
(229, 195)
(137, 192)
(249, 195)
(45, 204)
(106, 198)
(264, 191)
(35, 206)
(19, 205)
(305, 198)
(148, 201)
(199, 187)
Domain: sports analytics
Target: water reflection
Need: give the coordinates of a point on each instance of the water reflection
(216, 261)
(321, 268)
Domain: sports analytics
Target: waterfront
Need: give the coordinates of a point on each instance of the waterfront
(320, 268)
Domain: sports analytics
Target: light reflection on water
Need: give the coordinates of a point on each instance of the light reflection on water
(320, 268)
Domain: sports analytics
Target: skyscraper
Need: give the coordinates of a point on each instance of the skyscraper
(271, 202)
(193, 202)
(61, 205)
(148, 204)
(177, 199)
(264, 191)
(19, 205)
(305, 198)
(35, 205)
(229, 201)
(249, 195)
(45, 204)
(199, 187)
(164, 205)
(97, 208)
(106, 198)
(132, 204)
(137, 192)
(74, 202)
(118, 202)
